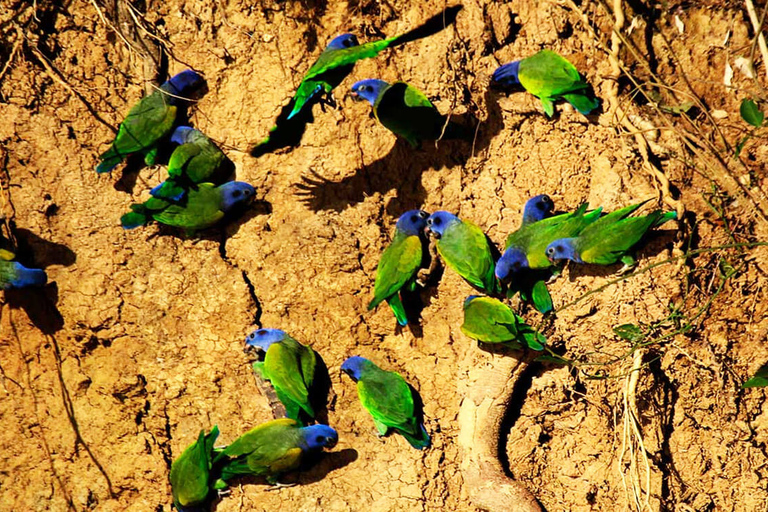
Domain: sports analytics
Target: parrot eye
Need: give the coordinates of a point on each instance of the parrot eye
(551, 251)
(347, 43)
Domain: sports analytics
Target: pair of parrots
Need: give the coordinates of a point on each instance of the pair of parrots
(267, 450)
(194, 196)
(291, 367)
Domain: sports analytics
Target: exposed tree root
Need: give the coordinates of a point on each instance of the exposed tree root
(487, 391)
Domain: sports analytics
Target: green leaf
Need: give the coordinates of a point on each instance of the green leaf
(760, 379)
(750, 113)
(629, 332)
(740, 146)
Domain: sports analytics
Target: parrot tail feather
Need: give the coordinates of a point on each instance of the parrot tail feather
(398, 309)
(421, 442)
(581, 102)
(133, 220)
(665, 218)
(108, 164)
(170, 190)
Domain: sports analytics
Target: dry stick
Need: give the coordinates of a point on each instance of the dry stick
(758, 32)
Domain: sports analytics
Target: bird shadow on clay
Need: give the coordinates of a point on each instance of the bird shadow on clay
(401, 169)
(315, 466)
(39, 303)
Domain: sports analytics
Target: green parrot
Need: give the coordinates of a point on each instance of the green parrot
(271, 449)
(609, 239)
(526, 247)
(289, 366)
(388, 399)
(400, 262)
(204, 207)
(151, 120)
(191, 470)
(195, 160)
(549, 77)
(463, 247)
(491, 321)
(407, 112)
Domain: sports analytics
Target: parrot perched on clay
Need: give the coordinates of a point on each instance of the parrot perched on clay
(196, 160)
(204, 207)
(549, 77)
(271, 449)
(388, 399)
(463, 247)
(609, 239)
(152, 119)
(491, 321)
(525, 247)
(407, 112)
(399, 263)
(191, 470)
(289, 366)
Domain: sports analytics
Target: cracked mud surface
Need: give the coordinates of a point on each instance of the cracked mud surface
(112, 370)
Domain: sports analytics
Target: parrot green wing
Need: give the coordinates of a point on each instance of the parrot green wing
(181, 159)
(399, 263)
(191, 470)
(203, 209)
(256, 438)
(290, 366)
(548, 75)
(464, 248)
(330, 68)
(150, 120)
(387, 397)
(269, 449)
(332, 59)
(612, 241)
(489, 320)
(407, 112)
(534, 238)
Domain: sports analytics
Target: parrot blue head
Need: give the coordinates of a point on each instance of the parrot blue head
(342, 41)
(563, 249)
(507, 74)
(513, 260)
(235, 193)
(187, 84)
(264, 338)
(470, 299)
(537, 208)
(181, 135)
(369, 89)
(317, 437)
(440, 220)
(412, 222)
(355, 366)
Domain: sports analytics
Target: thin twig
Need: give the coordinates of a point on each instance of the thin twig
(758, 32)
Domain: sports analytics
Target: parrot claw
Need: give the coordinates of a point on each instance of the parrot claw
(422, 276)
(277, 486)
(221, 493)
(626, 269)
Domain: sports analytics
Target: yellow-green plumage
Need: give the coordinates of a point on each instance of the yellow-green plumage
(190, 472)
(464, 247)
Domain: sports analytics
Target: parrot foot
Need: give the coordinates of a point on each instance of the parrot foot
(221, 493)
(277, 486)
(422, 276)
